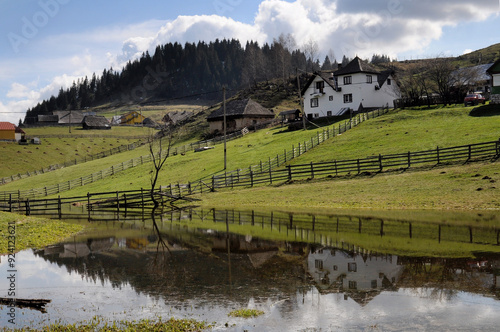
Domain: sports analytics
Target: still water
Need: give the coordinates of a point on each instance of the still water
(307, 272)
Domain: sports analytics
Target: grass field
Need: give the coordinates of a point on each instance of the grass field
(398, 131)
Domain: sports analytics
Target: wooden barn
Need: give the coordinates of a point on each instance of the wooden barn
(240, 113)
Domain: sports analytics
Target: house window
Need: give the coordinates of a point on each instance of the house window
(353, 285)
(352, 267)
(330, 98)
(318, 263)
(314, 102)
(328, 113)
(374, 283)
(347, 80)
(348, 98)
(335, 268)
(389, 82)
(369, 79)
(316, 115)
(320, 86)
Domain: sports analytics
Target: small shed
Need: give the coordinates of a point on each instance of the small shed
(240, 113)
(20, 134)
(7, 131)
(95, 122)
(290, 115)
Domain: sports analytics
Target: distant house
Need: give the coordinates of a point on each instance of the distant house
(290, 115)
(7, 131)
(132, 118)
(494, 72)
(47, 120)
(20, 134)
(95, 122)
(148, 122)
(358, 85)
(177, 117)
(69, 117)
(240, 113)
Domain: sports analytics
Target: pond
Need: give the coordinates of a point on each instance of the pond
(307, 272)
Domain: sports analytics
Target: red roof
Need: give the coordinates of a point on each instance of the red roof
(7, 126)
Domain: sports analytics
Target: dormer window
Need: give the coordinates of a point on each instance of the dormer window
(389, 81)
(369, 79)
(347, 80)
(320, 86)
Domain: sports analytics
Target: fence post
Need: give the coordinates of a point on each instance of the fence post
(409, 159)
(189, 188)
(359, 167)
(380, 162)
(59, 206)
(270, 176)
(289, 173)
(213, 183)
(470, 152)
(312, 170)
(251, 178)
(27, 204)
(336, 169)
(437, 152)
(293, 152)
(10, 202)
(285, 155)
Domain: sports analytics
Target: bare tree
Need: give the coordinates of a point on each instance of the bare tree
(159, 154)
(440, 73)
(284, 46)
(311, 50)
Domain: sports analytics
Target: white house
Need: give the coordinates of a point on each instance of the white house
(354, 87)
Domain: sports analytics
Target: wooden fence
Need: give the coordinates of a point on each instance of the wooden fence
(72, 162)
(117, 202)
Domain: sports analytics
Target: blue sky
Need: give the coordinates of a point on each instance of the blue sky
(46, 44)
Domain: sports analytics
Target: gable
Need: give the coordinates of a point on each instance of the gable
(495, 68)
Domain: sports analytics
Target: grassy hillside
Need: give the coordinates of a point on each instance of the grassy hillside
(59, 146)
(406, 130)
(398, 131)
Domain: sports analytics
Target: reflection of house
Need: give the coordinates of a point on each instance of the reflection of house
(494, 72)
(79, 249)
(355, 274)
(356, 84)
(95, 122)
(240, 113)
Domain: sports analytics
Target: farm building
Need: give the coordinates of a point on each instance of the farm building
(132, 118)
(494, 72)
(177, 117)
(95, 122)
(358, 83)
(291, 115)
(7, 131)
(240, 113)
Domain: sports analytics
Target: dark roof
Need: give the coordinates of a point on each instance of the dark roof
(177, 116)
(356, 66)
(289, 112)
(241, 108)
(95, 121)
(65, 117)
(494, 68)
(48, 118)
(7, 126)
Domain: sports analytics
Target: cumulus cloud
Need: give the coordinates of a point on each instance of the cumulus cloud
(350, 27)
(347, 27)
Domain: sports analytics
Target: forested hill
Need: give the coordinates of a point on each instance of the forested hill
(176, 70)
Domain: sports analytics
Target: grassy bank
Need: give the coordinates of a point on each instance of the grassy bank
(472, 186)
(30, 232)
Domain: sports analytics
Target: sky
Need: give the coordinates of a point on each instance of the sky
(49, 44)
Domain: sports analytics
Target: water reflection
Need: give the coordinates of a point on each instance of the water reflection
(304, 271)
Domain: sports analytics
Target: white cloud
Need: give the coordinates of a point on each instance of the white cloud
(350, 27)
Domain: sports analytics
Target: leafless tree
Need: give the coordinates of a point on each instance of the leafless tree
(283, 47)
(311, 50)
(159, 152)
(440, 73)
